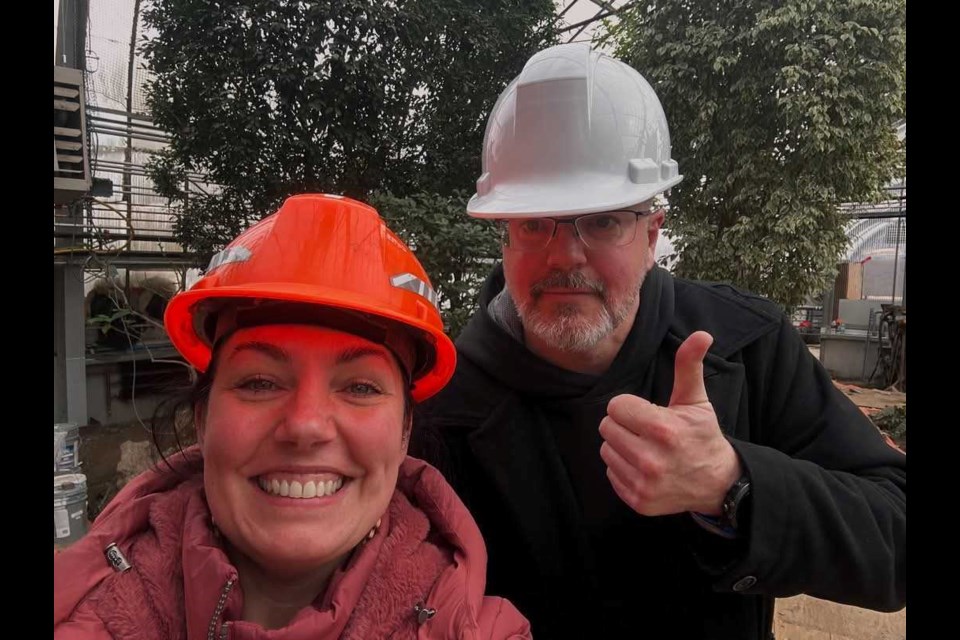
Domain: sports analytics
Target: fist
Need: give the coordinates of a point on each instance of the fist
(663, 460)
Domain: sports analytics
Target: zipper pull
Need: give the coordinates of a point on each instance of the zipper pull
(423, 613)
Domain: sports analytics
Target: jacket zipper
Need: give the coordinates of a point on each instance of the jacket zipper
(221, 603)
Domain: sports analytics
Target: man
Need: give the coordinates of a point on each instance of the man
(646, 456)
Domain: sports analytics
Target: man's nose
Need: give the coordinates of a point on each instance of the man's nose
(566, 249)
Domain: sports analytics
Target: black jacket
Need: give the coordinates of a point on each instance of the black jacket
(517, 437)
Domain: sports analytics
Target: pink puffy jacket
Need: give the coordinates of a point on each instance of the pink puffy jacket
(421, 576)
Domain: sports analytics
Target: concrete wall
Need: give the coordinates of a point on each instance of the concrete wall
(848, 356)
(856, 313)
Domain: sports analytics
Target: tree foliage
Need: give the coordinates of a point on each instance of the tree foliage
(269, 96)
(266, 98)
(778, 112)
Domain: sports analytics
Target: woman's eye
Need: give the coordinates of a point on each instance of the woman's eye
(363, 389)
(257, 385)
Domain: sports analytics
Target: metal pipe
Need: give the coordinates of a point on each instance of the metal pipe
(896, 261)
(128, 151)
(122, 133)
(126, 114)
(193, 177)
(110, 237)
(129, 126)
(144, 125)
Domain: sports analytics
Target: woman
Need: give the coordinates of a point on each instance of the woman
(298, 513)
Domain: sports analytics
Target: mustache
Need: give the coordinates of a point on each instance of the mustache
(566, 280)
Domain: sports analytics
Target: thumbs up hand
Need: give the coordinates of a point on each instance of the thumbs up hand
(663, 460)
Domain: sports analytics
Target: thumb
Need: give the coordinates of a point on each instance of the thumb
(688, 387)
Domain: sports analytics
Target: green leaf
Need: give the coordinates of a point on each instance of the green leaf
(777, 115)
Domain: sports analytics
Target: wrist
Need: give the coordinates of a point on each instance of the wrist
(728, 474)
(733, 511)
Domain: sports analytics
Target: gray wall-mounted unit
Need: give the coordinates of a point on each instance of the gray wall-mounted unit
(71, 161)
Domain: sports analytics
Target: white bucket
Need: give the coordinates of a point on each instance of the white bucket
(66, 447)
(69, 508)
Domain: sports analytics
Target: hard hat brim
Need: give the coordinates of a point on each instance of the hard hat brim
(588, 194)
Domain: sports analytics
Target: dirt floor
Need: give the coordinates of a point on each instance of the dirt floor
(806, 618)
(872, 400)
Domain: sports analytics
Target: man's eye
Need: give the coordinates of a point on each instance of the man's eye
(531, 226)
(603, 222)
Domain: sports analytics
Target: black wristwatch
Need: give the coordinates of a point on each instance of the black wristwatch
(730, 510)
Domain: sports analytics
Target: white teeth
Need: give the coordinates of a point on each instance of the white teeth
(298, 489)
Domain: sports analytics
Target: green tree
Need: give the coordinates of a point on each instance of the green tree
(265, 98)
(268, 96)
(778, 112)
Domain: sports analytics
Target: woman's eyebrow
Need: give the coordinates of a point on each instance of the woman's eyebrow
(266, 348)
(361, 351)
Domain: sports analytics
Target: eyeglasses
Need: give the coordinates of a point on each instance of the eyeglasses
(595, 230)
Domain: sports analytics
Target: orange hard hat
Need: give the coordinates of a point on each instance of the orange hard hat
(325, 259)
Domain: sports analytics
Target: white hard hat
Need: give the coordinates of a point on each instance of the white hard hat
(576, 132)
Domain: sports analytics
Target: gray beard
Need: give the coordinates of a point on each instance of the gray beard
(568, 329)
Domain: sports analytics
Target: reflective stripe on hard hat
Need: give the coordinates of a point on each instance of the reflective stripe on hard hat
(576, 132)
(415, 284)
(228, 255)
